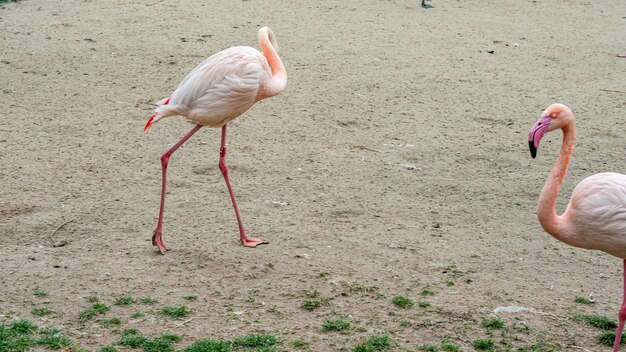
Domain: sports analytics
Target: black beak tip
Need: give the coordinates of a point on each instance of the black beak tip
(533, 150)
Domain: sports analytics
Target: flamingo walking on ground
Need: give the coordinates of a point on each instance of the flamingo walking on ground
(218, 90)
(595, 217)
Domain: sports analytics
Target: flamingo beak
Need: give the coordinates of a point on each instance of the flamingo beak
(536, 133)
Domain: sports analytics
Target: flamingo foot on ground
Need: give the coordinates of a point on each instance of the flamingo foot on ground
(252, 242)
(157, 241)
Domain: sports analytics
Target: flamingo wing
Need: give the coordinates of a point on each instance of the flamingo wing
(219, 89)
(598, 209)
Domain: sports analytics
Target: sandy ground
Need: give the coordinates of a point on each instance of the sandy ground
(373, 86)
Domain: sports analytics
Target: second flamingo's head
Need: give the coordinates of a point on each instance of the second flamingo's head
(554, 117)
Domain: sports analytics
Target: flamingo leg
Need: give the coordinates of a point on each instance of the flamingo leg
(156, 236)
(245, 240)
(622, 317)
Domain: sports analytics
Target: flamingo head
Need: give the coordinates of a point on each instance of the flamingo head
(267, 32)
(554, 117)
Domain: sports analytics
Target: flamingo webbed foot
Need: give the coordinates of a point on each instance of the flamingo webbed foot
(252, 242)
(158, 242)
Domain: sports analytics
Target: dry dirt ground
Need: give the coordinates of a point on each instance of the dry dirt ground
(322, 171)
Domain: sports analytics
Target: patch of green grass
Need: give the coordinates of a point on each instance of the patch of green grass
(87, 314)
(428, 347)
(323, 274)
(493, 323)
(336, 325)
(91, 312)
(583, 300)
(100, 308)
(449, 282)
(108, 349)
(311, 305)
(147, 300)
(372, 290)
(427, 292)
(52, 338)
(23, 327)
(130, 331)
(300, 344)
(255, 341)
(124, 301)
(20, 344)
(170, 337)
(209, 346)
(175, 312)
(423, 304)
(38, 292)
(41, 311)
(483, 344)
(137, 315)
(20, 337)
(379, 343)
(115, 321)
(405, 323)
(133, 341)
(598, 321)
(17, 336)
(132, 338)
(607, 338)
(158, 345)
(450, 347)
(537, 348)
(363, 348)
(92, 299)
(403, 302)
(191, 298)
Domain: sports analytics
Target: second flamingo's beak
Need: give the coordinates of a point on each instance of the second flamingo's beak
(536, 133)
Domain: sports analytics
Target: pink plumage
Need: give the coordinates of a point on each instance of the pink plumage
(218, 90)
(595, 217)
(597, 211)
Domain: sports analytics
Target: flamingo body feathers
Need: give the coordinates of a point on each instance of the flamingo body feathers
(597, 213)
(226, 84)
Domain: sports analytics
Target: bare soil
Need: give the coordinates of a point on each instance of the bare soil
(395, 161)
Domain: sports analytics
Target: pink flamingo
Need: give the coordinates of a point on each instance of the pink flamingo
(217, 91)
(595, 217)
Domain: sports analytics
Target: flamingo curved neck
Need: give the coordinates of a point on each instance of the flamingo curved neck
(546, 212)
(269, 48)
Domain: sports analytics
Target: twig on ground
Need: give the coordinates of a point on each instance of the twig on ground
(58, 228)
(366, 148)
(154, 3)
(187, 321)
(611, 90)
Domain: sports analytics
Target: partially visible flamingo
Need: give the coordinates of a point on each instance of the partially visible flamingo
(218, 90)
(595, 217)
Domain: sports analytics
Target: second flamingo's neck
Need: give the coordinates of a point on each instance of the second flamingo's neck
(546, 211)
